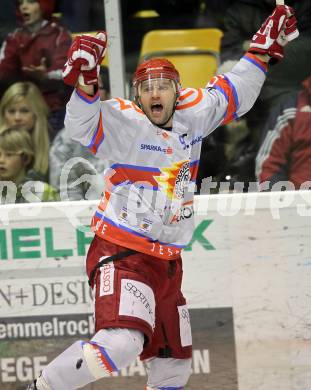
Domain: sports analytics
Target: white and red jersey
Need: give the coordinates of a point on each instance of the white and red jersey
(147, 202)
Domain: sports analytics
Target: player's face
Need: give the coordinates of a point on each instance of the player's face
(20, 114)
(157, 98)
(30, 11)
(11, 166)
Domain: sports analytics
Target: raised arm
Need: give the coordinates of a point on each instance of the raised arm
(232, 94)
(101, 126)
(81, 71)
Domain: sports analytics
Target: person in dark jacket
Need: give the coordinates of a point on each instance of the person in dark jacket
(285, 153)
(36, 51)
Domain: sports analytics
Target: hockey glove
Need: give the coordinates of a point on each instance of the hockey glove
(84, 58)
(278, 29)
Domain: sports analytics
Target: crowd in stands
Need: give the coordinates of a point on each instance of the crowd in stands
(270, 145)
(283, 78)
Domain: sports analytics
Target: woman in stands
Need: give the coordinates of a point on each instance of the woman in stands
(23, 105)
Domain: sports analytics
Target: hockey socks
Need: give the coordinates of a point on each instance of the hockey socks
(85, 362)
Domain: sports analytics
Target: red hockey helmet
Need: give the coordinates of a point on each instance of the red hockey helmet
(156, 68)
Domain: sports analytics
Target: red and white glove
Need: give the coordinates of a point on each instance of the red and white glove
(278, 29)
(84, 58)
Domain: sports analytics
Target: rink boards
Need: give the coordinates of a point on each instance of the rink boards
(246, 278)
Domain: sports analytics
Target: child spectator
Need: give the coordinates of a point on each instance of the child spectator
(37, 51)
(22, 105)
(16, 167)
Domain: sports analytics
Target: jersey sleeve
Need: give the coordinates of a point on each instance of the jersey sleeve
(226, 97)
(106, 128)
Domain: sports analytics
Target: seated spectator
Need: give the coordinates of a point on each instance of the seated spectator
(20, 183)
(285, 153)
(36, 52)
(283, 78)
(77, 173)
(22, 105)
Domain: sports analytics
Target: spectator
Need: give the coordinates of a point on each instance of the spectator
(212, 158)
(285, 154)
(23, 105)
(86, 15)
(103, 83)
(243, 17)
(211, 13)
(21, 183)
(36, 51)
(82, 172)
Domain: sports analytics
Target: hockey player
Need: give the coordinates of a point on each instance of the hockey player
(141, 224)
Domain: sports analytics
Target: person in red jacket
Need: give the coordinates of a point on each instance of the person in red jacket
(37, 51)
(284, 158)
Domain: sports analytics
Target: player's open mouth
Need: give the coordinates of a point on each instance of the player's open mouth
(156, 108)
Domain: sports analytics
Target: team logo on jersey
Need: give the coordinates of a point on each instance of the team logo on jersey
(175, 179)
(185, 212)
(146, 225)
(182, 180)
(123, 216)
(182, 140)
(156, 148)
